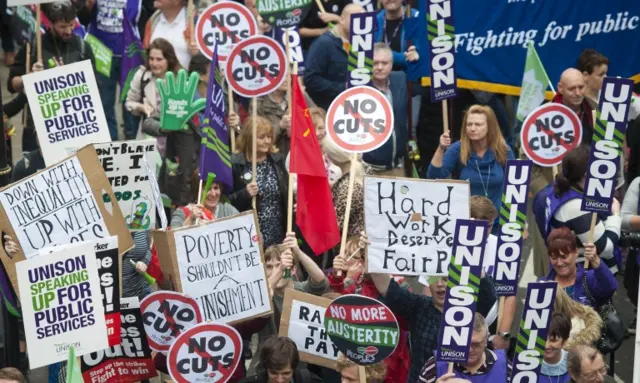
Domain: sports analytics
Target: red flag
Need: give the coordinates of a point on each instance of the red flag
(315, 213)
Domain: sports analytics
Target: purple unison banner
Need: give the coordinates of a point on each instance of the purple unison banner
(442, 50)
(534, 327)
(295, 45)
(360, 61)
(462, 293)
(513, 219)
(610, 126)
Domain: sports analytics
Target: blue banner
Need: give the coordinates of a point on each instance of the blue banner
(491, 38)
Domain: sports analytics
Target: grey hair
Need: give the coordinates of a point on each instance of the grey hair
(382, 47)
(577, 354)
(480, 324)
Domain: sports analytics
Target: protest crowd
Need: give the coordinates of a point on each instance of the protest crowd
(311, 191)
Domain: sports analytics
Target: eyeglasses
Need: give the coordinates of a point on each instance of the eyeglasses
(593, 376)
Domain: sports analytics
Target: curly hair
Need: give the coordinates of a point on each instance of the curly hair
(375, 372)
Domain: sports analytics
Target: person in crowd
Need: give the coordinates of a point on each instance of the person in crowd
(105, 20)
(571, 93)
(6, 36)
(594, 66)
(317, 22)
(559, 205)
(11, 375)
(171, 22)
(133, 283)
(586, 365)
(391, 30)
(375, 373)
(586, 324)
(326, 64)
(630, 212)
(60, 46)
(554, 362)
(479, 157)
(425, 313)
(483, 365)
(279, 362)
(274, 108)
(593, 287)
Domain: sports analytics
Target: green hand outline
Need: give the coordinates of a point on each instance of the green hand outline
(177, 103)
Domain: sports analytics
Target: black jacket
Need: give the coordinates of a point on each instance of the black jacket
(28, 165)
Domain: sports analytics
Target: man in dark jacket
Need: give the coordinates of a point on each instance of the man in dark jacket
(325, 73)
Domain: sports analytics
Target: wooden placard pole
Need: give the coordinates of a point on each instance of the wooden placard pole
(500, 311)
(320, 6)
(362, 373)
(232, 129)
(445, 115)
(347, 212)
(594, 218)
(191, 13)
(290, 107)
(254, 144)
(25, 113)
(38, 35)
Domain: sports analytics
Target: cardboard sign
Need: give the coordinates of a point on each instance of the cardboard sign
(23, 24)
(295, 45)
(256, 66)
(442, 50)
(207, 353)
(66, 108)
(513, 219)
(220, 265)
(224, 23)
(534, 327)
(124, 164)
(360, 120)
(58, 205)
(610, 127)
(157, 196)
(102, 54)
(302, 321)
(61, 304)
(462, 292)
(283, 13)
(411, 223)
(360, 63)
(130, 360)
(363, 329)
(110, 274)
(549, 132)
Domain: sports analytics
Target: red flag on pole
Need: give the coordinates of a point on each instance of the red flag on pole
(315, 213)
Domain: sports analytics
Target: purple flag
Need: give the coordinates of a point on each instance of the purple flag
(215, 155)
(132, 58)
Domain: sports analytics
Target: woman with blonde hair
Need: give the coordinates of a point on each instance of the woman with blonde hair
(585, 321)
(270, 185)
(479, 157)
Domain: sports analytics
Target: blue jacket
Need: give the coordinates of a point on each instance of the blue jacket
(600, 282)
(378, 36)
(394, 148)
(325, 73)
(491, 172)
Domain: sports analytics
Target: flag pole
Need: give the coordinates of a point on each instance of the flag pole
(345, 224)
(25, 113)
(287, 272)
(232, 130)
(38, 34)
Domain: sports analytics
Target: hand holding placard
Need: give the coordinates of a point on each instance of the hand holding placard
(177, 103)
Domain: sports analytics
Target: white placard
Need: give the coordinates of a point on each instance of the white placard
(411, 223)
(157, 197)
(221, 267)
(306, 329)
(66, 108)
(62, 304)
(54, 207)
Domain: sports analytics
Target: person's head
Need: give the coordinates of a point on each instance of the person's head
(483, 209)
(574, 170)
(586, 364)
(11, 375)
(272, 260)
(481, 125)
(201, 65)
(382, 61)
(279, 358)
(562, 251)
(438, 289)
(342, 158)
(349, 371)
(62, 16)
(213, 196)
(479, 339)
(161, 58)
(572, 87)
(318, 116)
(559, 331)
(264, 137)
(392, 6)
(594, 66)
(168, 5)
(345, 17)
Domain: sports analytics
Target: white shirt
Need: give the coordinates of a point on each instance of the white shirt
(173, 32)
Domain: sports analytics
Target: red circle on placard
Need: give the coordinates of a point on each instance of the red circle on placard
(271, 85)
(172, 296)
(529, 124)
(182, 340)
(205, 17)
(379, 138)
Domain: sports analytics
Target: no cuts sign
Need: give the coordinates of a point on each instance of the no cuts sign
(225, 23)
(256, 66)
(360, 119)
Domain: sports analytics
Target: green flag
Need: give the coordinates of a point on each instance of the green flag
(534, 84)
(74, 375)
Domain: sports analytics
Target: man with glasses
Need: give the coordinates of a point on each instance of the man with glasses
(586, 365)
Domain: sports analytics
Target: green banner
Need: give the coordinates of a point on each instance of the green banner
(102, 54)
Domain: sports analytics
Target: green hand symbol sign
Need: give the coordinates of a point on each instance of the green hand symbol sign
(176, 95)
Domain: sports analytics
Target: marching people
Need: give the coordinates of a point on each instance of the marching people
(586, 365)
(170, 21)
(554, 362)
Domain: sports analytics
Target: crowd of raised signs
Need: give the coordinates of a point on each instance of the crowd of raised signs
(173, 212)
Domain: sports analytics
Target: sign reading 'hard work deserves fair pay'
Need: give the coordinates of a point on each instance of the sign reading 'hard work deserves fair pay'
(411, 223)
(66, 108)
(61, 304)
(462, 293)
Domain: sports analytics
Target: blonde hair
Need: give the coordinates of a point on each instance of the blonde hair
(340, 157)
(482, 208)
(565, 304)
(495, 141)
(375, 372)
(317, 114)
(274, 253)
(244, 144)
